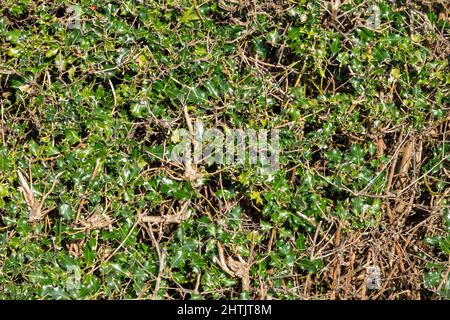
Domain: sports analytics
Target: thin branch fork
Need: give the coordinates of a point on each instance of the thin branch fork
(35, 207)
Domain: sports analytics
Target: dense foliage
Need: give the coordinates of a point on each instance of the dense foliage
(91, 93)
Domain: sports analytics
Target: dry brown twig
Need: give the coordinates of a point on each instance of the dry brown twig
(97, 221)
(190, 172)
(235, 268)
(162, 258)
(36, 208)
(181, 215)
